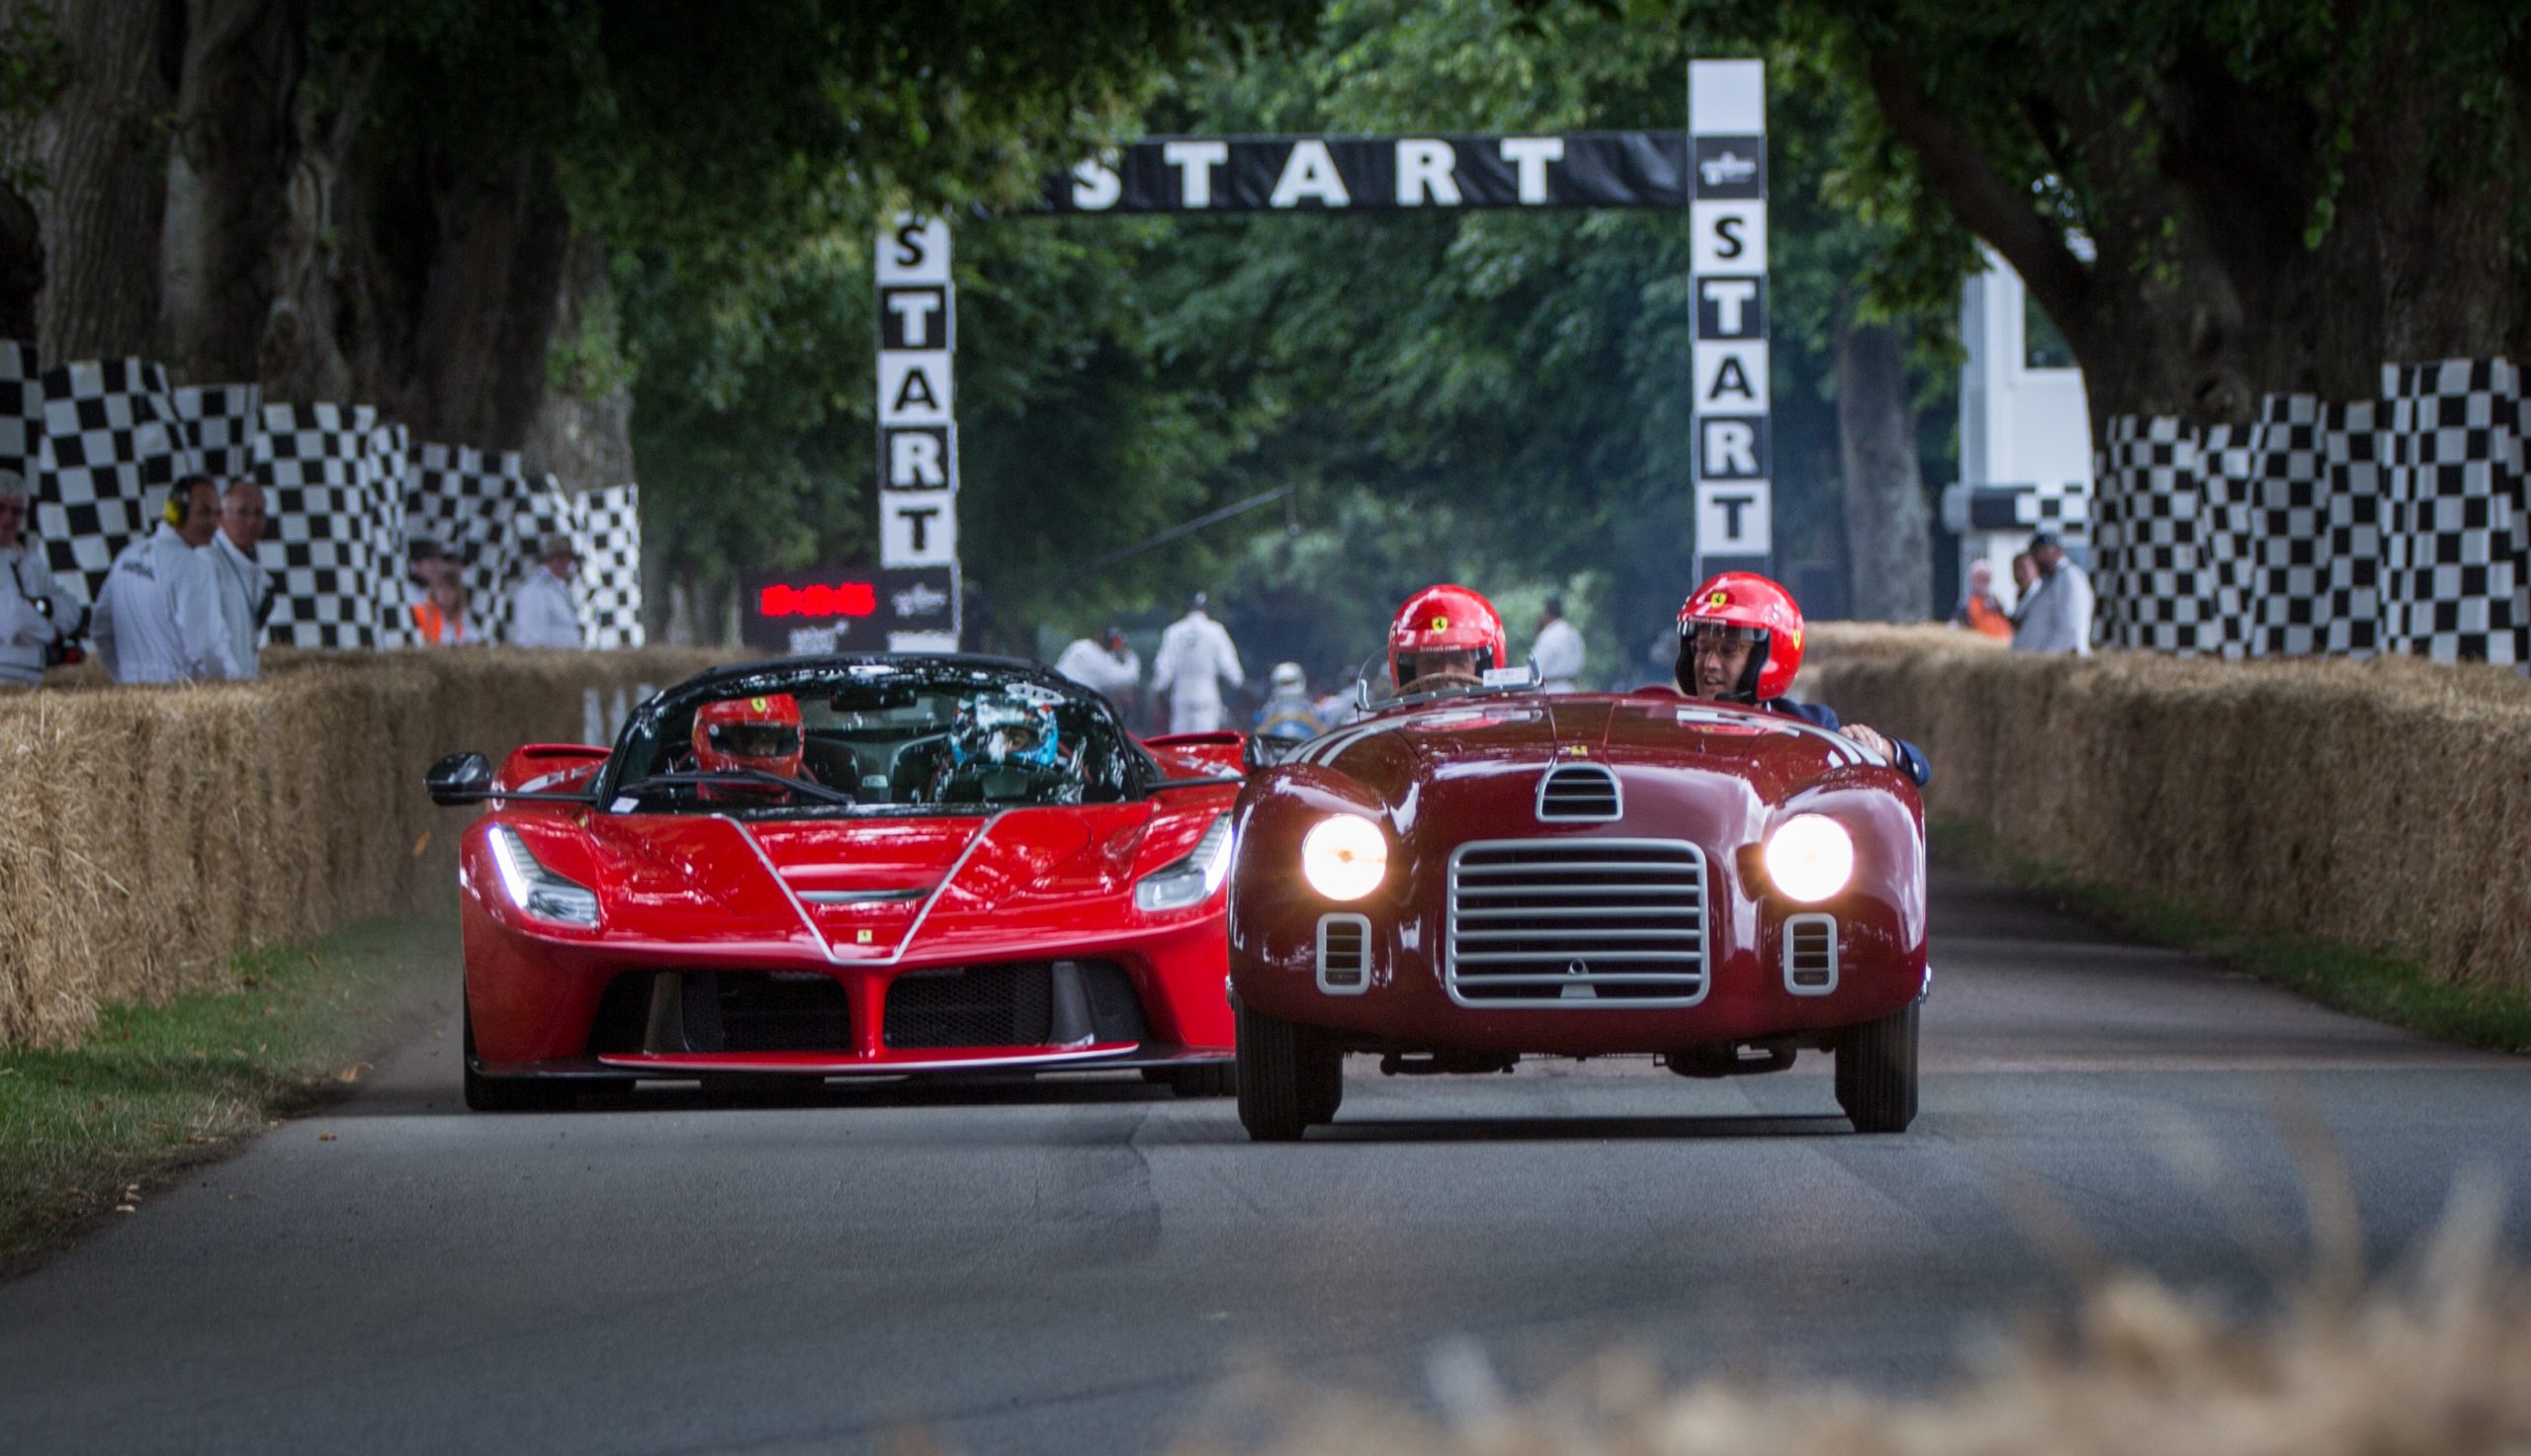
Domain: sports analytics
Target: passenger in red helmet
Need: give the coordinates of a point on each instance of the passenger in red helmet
(1740, 641)
(761, 734)
(1444, 637)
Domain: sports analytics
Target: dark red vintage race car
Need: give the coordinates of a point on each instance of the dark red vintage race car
(844, 867)
(1463, 879)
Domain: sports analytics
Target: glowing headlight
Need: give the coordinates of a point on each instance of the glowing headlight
(1191, 880)
(537, 889)
(1810, 858)
(1344, 856)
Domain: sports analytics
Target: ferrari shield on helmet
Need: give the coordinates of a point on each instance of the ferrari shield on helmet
(1750, 607)
(759, 732)
(1444, 619)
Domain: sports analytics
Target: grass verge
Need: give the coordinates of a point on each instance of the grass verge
(88, 1130)
(2380, 985)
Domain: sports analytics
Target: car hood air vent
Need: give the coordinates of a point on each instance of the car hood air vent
(1584, 791)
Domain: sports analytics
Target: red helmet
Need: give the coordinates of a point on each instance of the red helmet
(761, 734)
(1750, 606)
(1444, 619)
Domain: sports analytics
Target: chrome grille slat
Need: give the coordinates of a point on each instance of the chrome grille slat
(1579, 792)
(1624, 928)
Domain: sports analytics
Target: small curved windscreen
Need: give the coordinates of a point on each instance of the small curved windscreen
(1436, 674)
(876, 738)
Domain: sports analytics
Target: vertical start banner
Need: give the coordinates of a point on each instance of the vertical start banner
(1727, 220)
(918, 437)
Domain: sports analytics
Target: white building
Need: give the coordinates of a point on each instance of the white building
(2025, 429)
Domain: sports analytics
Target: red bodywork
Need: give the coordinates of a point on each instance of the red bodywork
(1453, 772)
(798, 908)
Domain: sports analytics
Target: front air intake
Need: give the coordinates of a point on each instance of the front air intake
(1811, 955)
(1579, 792)
(1344, 954)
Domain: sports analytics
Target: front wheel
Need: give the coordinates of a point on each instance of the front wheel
(1877, 1073)
(1288, 1077)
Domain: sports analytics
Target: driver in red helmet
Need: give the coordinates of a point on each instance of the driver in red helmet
(1740, 641)
(1444, 637)
(760, 732)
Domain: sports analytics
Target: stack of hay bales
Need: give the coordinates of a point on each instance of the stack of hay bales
(2380, 804)
(154, 833)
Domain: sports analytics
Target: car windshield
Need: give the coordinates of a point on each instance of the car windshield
(875, 737)
(1435, 675)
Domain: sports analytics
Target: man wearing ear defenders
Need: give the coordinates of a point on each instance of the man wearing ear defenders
(158, 620)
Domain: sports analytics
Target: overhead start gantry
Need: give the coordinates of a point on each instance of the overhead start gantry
(1717, 170)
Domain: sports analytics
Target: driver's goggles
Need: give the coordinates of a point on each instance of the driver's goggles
(755, 739)
(1712, 636)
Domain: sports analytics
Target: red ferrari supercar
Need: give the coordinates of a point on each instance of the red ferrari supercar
(847, 867)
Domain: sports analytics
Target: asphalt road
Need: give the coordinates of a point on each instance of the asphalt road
(1088, 1267)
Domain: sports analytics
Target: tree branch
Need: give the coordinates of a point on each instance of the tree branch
(1993, 208)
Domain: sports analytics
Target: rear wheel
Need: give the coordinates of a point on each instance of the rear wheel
(507, 1093)
(1288, 1077)
(1877, 1073)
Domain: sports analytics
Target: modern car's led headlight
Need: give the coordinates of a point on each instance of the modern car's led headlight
(1191, 880)
(1344, 856)
(1810, 857)
(537, 889)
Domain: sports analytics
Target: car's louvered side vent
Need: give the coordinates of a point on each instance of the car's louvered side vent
(1811, 955)
(1344, 954)
(1583, 792)
(1577, 922)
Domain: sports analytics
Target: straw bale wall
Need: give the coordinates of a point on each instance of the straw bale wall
(2383, 804)
(153, 832)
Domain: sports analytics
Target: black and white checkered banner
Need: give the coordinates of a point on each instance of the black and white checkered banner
(918, 424)
(2393, 525)
(102, 441)
(1728, 262)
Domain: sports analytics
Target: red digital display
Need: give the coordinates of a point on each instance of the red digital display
(837, 599)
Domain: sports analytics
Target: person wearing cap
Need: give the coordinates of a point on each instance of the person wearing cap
(38, 619)
(1195, 657)
(246, 595)
(1557, 652)
(157, 617)
(541, 611)
(2056, 614)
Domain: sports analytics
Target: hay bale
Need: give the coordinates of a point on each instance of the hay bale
(2385, 803)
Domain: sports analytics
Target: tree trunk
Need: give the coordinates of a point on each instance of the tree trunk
(582, 429)
(474, 361)
(1887, 529)
(21, 265)
(103, 157)
(230, 172)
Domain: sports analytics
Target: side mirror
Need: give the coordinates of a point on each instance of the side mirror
(460, 778)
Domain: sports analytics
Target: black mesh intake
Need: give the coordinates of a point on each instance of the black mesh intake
(1030, 1003)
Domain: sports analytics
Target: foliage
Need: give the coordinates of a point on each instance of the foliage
(32, 75)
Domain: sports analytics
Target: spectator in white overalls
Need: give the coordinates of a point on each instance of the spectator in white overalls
(38, 619)
(157, 620)
(541, 610)
(1194, 659)
(245, 597)
(1558, 653)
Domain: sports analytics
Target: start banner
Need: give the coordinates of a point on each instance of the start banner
(1273, 174)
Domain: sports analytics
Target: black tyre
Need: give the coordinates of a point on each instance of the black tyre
(1289, 1078)
(1877, 1073)
(507, 1093)
(1217, 1080)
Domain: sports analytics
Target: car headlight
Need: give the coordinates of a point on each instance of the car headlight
(1344, 856)
(537, 889)
(1191, 880)
(1810, 857)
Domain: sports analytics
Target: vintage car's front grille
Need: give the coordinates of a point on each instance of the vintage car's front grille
(1025, 1003)
(1577, 922)
(1578, 792)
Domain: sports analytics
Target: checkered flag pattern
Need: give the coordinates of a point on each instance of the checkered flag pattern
(109, 452)
(2151, 577)
(608, 532)
(21, 409)
(2364, 542)
(2280, 555)
(337, 504)
(2457, 479)
(465, 499)
(218, 429)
